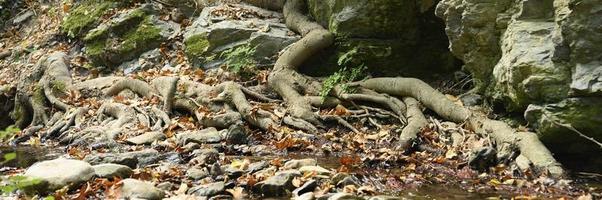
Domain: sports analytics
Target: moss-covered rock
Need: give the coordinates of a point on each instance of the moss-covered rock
(126, 36)
(87, 14)
(210, 35)
(392, 37)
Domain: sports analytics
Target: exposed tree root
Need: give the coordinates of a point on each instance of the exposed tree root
(416, 122)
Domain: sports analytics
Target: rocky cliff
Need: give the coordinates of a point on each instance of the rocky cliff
(540, 57)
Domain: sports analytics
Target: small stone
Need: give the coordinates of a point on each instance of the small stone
(233, 173)
(136, 189)
(236, 135)
(471, 99)
(145, 157)
(208, 190)
(55, 174)
(197, 173)
(112, 170)
(344, 196)
(205, 156)
(317, 169)
(146, 138)
(339, 177)
(165, 186)
(349, 180)
(483, 158)
(208, 135)
(102, 158)
(256, 166)
(306, 196)
(296, 164)
(384, 198)
(308, 187)
(279, 184)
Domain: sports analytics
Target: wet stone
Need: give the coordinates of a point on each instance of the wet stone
(136, 189)
(55, 174)
(197, 173)
(208, 190)
(279, 184)
(256, 166)
(344, 196)
(110, 170)
(308, 187)
(208, 135)
(296, 164)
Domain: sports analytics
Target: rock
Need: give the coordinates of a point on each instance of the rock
(112, 170)
(197, 173)
(471, 99)
(483, 158)
(315, 169)
(57, 173)
(208, 190)
(146, 138)
(205, 156)
(538, 56)
(344, 196)
(385, 36)
(256, 166)
(306, 196)
(127, 36)
(348, 180)
(86, 15)
(210, 35)
(279, 184)
(233, 173)
(236, 135)
(103, 158)
(208, 135)
(136, 189)
(23, 17)
(296, 164)
(130, 159)
(166, 186)
(523, 163)
(384, 198)
(308, 187)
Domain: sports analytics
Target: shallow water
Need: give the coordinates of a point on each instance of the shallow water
(27, 155)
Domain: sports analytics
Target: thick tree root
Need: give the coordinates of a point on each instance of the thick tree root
(529, 145)
(416, 122)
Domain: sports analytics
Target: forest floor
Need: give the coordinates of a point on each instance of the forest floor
(188, 160)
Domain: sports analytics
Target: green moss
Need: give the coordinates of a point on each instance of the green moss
(146, 34)
(85, 16)
(197, 45)
(38, 95)
(58, 86)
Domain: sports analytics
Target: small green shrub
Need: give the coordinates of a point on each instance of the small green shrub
(9, 132)
(351, 71)
(240, 59)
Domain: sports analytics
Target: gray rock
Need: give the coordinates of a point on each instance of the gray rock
(112, 170)
(384, 198)
(208, 190)
(483, 158)
(296, 164)
(136, 189)
(256, 166)
(348, 180)
(308, 187)
(208, 135)
(315, 169)
(57, 173)
(236, 135)
(306, 196)
(587, 79)
(146, 138)
(145, 157)
(166, 186)
(205, 156)
(197, 173)
(344, 196)
(233, 173)
(103, 158)
(471, 99)
(23, 17)
(210, 35)
(280, 184)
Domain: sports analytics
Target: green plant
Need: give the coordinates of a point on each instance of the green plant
(8, 132)
(18, 182)
(240, 59)
(349, 72)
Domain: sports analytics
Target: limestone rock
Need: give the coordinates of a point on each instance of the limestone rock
(210, 35)
(136, 189)
(296, 164)
(55, 174)
(279, 184)
(208, 190)
(208, 135)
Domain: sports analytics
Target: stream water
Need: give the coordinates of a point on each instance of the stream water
(26, 156)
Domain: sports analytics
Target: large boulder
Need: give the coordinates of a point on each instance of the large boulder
(56, 174)
(87, 14)
(127, 36)
(391, 37)
(542, 56)
(224, 27)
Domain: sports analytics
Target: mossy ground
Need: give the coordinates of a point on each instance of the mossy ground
(85, 16)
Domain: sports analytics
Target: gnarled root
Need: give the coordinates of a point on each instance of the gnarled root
(416, 122)
(529, 145)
